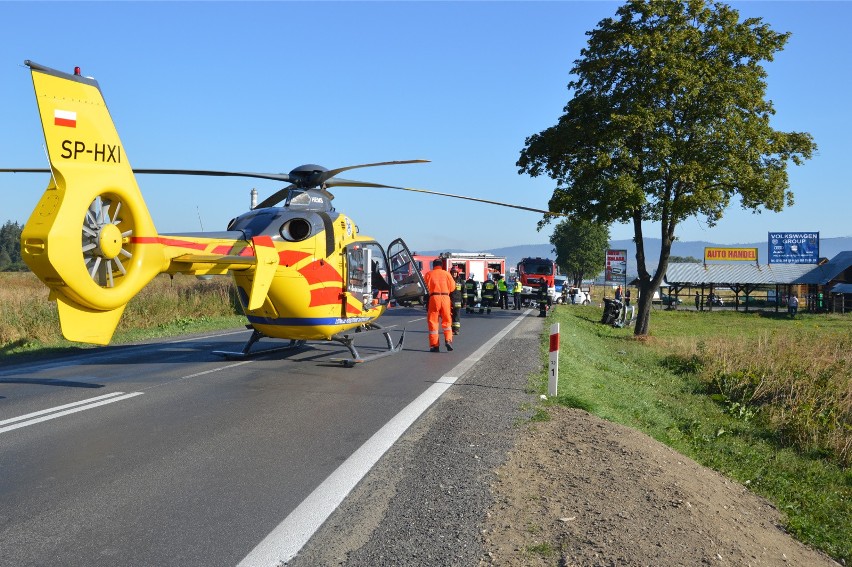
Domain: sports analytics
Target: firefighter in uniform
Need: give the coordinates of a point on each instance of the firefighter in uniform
(456, 300)
(471, 289)
(543, 299)
(503, 290)
(489, 295)
(439, 284)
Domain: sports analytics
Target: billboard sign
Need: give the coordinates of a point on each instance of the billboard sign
(730, 254)
(793, 247)
(616, 266)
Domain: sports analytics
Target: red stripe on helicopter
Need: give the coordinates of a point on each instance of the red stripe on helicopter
(231, 250)
(351, 309)
(291, 257)
(325, 296)
(320, 271)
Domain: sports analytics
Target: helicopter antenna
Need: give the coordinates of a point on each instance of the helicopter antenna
(198, 209)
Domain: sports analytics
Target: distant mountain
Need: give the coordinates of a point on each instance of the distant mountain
(828, 248)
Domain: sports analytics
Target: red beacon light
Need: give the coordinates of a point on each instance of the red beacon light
(77, 71)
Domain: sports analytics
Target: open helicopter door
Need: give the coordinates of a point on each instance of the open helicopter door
(407, 285)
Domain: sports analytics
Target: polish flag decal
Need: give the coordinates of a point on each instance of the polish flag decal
(65, 118)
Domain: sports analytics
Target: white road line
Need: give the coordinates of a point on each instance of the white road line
(211, 371)
(58, 408)
(285, 541)
(90, 403)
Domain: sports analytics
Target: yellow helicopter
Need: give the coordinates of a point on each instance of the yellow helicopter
(302, 270)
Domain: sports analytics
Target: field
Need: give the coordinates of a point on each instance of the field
(763, 399)
(168, 306)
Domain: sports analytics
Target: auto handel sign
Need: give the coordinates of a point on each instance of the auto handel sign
(793, 247)
(616, 266)
(730, 254)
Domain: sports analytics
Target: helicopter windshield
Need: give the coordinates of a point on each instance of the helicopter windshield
(311, 200)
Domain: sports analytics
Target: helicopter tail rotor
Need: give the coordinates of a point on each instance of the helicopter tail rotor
(90, 238)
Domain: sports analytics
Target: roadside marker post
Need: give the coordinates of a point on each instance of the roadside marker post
(554, 360)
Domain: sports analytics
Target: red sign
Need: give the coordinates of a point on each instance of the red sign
(616, 266)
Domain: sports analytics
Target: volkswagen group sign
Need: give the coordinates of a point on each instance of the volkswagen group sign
(793, 247)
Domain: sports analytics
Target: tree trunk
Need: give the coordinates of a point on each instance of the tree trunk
(643, 309)
(649, 284)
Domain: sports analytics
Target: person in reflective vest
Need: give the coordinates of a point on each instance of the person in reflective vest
(489, 295)
(503, 291)
(439, 284)
(519, 287)
(456, 300)
(471, 290)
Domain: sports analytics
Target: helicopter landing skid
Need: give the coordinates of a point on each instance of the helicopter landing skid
(256, 336)
(349, 342)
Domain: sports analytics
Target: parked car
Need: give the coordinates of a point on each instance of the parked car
(667, 299)
(573, 295)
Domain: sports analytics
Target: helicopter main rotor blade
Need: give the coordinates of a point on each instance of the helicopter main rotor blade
(215, 173)
(205, 172)
(281, 194)
(275, 198)
(332, 172)
(347, 183)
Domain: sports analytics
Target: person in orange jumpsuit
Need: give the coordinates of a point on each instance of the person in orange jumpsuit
(439, 284)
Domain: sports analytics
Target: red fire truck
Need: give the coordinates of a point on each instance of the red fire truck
(533, 271)
(480, 264)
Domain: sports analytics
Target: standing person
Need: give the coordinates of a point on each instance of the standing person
(542, 299)
(456, 300)
(489, 294)
(471, 289)
(697, 301)
(518, 288)
(793, 305)
(618, 293)
(503, 291)
(627, 297)
(439, 284)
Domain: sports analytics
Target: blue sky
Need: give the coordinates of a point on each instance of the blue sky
(269, 86)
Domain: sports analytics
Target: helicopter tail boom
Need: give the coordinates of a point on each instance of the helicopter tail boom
(81, 239)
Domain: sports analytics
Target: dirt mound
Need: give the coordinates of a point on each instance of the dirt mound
(581, 491)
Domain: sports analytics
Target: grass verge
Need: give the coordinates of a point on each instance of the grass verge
(668, 387)
(29, 323)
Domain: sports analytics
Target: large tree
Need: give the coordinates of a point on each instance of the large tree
(580, 248)
(668, 120)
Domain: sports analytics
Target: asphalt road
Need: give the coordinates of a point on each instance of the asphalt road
(164, 454)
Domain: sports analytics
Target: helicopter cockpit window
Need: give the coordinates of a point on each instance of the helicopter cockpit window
(298, 198)
(367, 273)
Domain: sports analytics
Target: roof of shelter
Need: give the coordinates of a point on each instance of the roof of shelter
(841, 288)
(725, 274)
(756, 274)
(830, 270)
